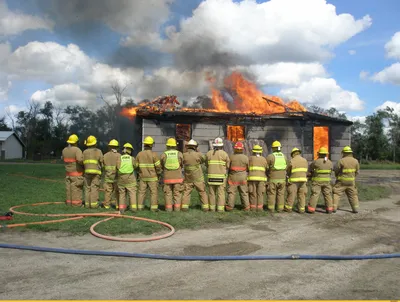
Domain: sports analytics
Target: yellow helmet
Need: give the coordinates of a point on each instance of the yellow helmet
(128, 145)
(295, 150)
(257, 149)
(171, 142)
(148, 141)
(91, 141)
(323, 150)
(347, 149)
(73, 139)
(113, 143)
(276, 144)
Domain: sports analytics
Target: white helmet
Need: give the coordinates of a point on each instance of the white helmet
(218, 142)
(192, 142)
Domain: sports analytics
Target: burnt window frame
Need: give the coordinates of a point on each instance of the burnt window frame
(181, 142)
(235, 125)
(329, 139)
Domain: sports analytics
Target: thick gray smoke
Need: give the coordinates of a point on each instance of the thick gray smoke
(79, 21)
(202, 52)
(83, 22)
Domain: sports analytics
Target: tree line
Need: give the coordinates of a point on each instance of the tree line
(44, 128)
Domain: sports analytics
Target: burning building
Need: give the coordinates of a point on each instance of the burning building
(249, 116)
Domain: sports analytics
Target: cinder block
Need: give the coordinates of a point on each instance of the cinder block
(197, 126)
(152, 131)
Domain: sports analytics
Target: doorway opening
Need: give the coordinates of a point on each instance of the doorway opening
(321, 139)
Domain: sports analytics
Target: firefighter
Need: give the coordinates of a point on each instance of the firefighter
(237, 178)
(73, 160)
(110, 180)
(92, 160)
(277, 164)
(297, 182)
(321, 170)
(149, 171)
(126, 179)
(346, 171)
(194, 177)
(172, 163)
(217, 162)
(257, 178)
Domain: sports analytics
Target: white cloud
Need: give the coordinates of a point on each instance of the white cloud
(393, 46)
(102, 76)
(394, 105)
(352, 52)
(65, 94)
(286, 74)
(5, 51)
(360, 119)
(12, 23)
(14, 109)
(5, 83)
(390, 74)
(68, 68)
(325, 93)
(50, 62)
(223, 31)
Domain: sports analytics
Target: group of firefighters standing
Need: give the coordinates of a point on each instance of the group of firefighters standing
(252, 176)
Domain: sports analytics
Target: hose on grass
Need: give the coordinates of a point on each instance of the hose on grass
(77, 216)
(153, 256)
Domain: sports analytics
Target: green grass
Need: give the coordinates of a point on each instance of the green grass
(16, 190)
(372, 192)
(380, 166)
(29, 161)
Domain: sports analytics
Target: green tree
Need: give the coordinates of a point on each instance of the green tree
(377, 141)
(3, 125)
(358, 140)
(332, 112)
(394, 132)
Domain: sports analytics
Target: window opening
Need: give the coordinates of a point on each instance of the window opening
(235, 133)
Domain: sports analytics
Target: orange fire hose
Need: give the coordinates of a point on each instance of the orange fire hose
(92, 228)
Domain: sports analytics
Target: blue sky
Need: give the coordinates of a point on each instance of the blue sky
(369, 46)
(99, 40)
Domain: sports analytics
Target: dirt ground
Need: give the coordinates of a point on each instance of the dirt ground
(34, 275)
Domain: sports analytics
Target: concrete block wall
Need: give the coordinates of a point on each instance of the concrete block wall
(159, 131)
(287, 133)
(340, 136)
(203, 133)
(290, 133)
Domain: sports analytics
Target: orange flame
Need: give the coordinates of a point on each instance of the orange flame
(132, 111)
(235, 133)
(218, 101)
(321, 139)
(246, 99)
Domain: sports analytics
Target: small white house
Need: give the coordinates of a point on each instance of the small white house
(11, 146)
